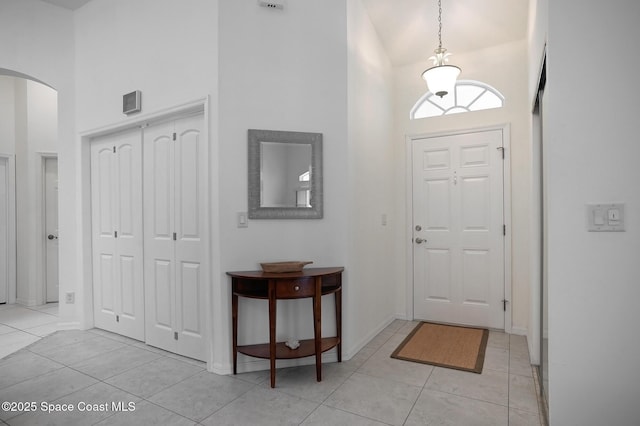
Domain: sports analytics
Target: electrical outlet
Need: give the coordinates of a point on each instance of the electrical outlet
(70, 298)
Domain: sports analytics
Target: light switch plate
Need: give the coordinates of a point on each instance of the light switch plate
(242, 220)
(605, 217)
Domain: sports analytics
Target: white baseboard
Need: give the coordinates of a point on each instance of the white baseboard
(402, 316)
(366, 339)
(520, 331)
(26, 302)
(70, 325)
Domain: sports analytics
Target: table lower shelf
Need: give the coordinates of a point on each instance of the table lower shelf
(306, 348)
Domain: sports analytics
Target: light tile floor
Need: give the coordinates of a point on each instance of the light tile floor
(20, 326)
(100, 368)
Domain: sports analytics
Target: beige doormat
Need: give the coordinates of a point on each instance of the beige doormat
(450, 346)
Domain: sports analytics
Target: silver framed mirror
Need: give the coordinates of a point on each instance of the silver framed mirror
(285, 175)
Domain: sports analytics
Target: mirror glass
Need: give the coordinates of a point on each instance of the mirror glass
(285, 175)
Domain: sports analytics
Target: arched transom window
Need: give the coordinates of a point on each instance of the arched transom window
(469, 95)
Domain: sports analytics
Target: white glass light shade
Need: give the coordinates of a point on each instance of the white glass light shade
(441, 79)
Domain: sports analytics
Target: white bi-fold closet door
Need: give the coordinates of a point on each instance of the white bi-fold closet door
(116, 198)
(149, 213)
(175, 241)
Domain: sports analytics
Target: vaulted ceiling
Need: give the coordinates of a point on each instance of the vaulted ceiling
(408, 29)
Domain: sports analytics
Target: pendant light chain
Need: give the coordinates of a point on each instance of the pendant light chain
(441, 77)
(439, 24)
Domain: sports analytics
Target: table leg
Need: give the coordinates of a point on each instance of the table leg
(338, 295)
(234, 314)
(272, 331)
(317, 326)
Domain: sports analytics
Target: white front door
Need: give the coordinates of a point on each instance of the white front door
(51, 228)
(458, 229)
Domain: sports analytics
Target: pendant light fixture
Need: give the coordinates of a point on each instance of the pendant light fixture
(441, 78)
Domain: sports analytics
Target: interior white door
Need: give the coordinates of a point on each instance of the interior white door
(116, 196)
(458, 229)
(175, 185)
(51, 228)
(4, 230)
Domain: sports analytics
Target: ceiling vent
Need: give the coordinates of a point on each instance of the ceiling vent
(272, 4)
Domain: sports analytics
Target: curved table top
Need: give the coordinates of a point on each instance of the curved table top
(306, 272)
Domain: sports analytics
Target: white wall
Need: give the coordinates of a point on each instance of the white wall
(372, 260)
(165, 49)
(41, 48)
(592, 152)
(281, 70)
(505, 68)
(7, 115)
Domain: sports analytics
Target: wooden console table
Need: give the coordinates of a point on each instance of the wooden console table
(310, 282)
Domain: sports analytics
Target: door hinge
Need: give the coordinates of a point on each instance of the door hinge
(501, 148)
(504, 229)
(174, 136)
(175, 236)
(504, 304)
(175, 335)
(115, 234)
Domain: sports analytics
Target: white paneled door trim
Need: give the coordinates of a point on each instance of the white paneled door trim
(506, 212)
(7, 229)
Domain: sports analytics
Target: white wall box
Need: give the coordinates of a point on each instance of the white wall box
(116, 198)
(175, 235)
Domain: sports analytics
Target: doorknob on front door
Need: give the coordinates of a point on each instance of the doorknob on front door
(420, 240)
(52, 237)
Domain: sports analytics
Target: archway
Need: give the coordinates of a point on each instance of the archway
(28, 139)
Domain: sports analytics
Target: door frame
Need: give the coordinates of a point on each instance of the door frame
(84, 292)
(11, 219)
(41, 256)
(506, 206)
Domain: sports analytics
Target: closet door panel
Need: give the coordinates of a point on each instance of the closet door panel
(163, 302)
(128, 182)
(188, 203)
(189, 285)
(102, 194)
(128, 286)
(103, 234)
(175, 183)
(158, 239)
(191, 208)
(106, 269)
(127, 191)
(159, 183)
(116, 193)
